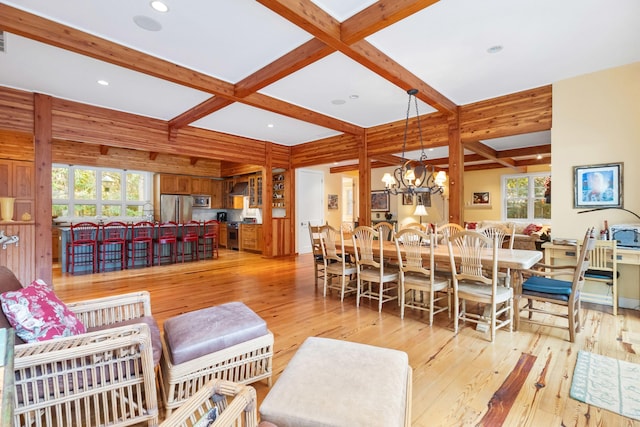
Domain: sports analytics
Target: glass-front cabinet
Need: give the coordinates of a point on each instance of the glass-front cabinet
(279, 185)
(255, 191)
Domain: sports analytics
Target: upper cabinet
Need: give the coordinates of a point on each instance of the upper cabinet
(201, 186)
(16, 180)
(175, 184)
(255, 191)
(227, 187)
(217, 194)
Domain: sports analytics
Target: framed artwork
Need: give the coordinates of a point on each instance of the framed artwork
(424, 199)
(379, 201)
(597, 186)
(333, 201)
(407, 199)
(481, 198)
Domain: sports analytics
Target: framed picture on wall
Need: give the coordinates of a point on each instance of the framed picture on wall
(332, 201)
(481, 198)
(379, 201)
(407, 199)
(598, 186)
(424, 199)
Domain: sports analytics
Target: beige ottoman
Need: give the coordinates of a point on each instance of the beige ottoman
(339, 383)
(228, 342)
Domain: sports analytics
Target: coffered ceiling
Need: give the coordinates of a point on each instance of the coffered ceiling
(291, 72)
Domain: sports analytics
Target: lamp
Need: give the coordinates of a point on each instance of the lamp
(420, 211)
(414, 176)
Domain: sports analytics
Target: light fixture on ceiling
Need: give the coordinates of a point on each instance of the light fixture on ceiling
(102, 82)
(159, 6)
(495, 49)
(414, 176)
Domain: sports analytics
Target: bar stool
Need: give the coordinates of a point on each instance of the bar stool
(82, 248)
(210, 238)
(141, 243)
(167, 235)
(113, 247)
(190, 236)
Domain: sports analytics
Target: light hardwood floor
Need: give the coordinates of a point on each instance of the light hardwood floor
(457, 380)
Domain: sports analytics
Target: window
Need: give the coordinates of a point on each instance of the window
(524, 197)
(86, 191)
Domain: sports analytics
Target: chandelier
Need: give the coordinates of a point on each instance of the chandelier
(414, 176)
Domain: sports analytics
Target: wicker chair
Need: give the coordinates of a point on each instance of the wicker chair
(236, 405)
(102, 377)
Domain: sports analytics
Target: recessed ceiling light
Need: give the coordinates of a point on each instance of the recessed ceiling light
(495, 49)
(270, 125)
(338, 102)
(539, 156)
(159, 6)
(147, 23)
(103, 82)
(354, 96)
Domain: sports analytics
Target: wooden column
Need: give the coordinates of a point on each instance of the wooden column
(267, 192)
(364, 183)
(42, 131)
(456, 170)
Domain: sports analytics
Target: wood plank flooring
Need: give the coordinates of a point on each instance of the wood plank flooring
(461, 380)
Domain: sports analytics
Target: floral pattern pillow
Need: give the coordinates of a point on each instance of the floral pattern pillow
(37, 314)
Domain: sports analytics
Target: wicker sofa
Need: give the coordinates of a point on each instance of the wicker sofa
(102, 377)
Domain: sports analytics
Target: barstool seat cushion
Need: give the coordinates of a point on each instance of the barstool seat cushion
(194, 334)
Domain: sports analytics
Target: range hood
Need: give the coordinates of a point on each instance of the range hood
(239, 189)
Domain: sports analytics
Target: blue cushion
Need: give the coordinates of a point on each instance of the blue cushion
(547, 286)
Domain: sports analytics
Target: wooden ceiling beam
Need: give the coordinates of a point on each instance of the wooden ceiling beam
(537, 150)
(489, 153)
(378, 16)
(323, 26)
(104, 150)
(388, 159)
(153, 155)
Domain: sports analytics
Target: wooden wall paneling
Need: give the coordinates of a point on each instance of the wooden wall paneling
(79, 153)
(282, 242)
(364, 184)
(268, 232)
(515, 114)
(328, 150)
(16, 145)
(74, 121)
(221, 146)
(20, 258)
(16, 110)
(235, 169)
(280, 156)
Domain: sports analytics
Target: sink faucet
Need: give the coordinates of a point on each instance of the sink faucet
(7, 240)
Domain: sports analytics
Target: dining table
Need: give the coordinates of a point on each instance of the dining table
(516, 260)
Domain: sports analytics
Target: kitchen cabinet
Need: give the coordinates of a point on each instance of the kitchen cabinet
(251, 237)
(217, 194)
(222, 235)
(175, 184)
(281, 243)
(17, 180)
(227, 187)
(55, 244)
(255, 191)
(201, 186)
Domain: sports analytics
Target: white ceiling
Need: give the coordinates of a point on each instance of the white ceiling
(445, 45)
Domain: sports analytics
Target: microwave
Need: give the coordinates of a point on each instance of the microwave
(201, 201)
(626, 235)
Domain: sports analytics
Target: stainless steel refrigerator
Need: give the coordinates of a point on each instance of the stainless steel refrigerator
(176, 208)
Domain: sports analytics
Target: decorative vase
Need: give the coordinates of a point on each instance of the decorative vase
(6, 208)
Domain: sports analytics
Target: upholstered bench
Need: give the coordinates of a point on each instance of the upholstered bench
(228, 341)
(339, 383)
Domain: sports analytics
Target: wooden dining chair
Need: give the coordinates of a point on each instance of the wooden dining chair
(386, 230)
(473, 281)
(82, 248)
(190, 237)
(545, 294)
(370, 271)
(335, 263)
(420, 288)
(316, 248)
(502, 234)
(415, 225)
(167, 239)
(113, 246)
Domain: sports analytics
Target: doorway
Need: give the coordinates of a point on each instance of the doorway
(309, 205)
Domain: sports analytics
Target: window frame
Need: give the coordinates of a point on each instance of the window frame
(530, 196)
(99, 202)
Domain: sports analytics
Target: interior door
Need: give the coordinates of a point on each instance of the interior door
(309, 205)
